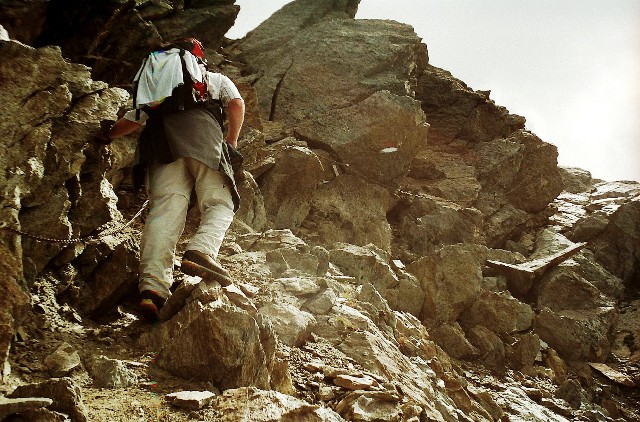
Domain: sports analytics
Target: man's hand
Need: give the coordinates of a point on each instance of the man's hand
(122, 127)
(103, 134)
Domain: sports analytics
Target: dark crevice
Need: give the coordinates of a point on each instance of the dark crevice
(315, 144)
(276, 92)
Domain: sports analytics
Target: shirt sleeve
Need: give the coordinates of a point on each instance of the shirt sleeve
(221, 87)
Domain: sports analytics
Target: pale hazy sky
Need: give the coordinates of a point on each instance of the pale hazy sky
(571, 67)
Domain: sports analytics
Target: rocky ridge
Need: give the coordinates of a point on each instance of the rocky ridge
(405, 248)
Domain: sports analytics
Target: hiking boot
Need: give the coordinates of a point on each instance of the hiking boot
(151, 304)
(202, 265)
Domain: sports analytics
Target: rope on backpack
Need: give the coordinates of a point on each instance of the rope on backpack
(104, 233)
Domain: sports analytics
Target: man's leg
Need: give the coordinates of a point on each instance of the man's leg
(216, 214)
(216, 209)
(170, 187)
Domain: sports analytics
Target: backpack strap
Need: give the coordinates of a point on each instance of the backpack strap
(136, 82)
(186, 80)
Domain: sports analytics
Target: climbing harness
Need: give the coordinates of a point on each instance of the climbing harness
(83, 239)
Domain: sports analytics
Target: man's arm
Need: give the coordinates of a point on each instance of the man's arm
(122, 127)
(235, 114)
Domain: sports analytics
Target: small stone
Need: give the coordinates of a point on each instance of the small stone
(326, 393)
(248, 289)
(11, 406)
(313, 366)
(533, 393)
(111, 373)
(238, 298)
(354, 383)
(193, 400)
(64, 360)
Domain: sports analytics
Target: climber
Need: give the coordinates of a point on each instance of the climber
(182, 148)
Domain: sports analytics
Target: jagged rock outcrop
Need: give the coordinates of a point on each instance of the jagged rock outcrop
(54, 185)
(605, 214)
(313, 81)
(495, 166)
(212, 340)
(113, 36)
(359, 110)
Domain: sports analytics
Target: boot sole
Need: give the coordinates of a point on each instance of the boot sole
(149, 310)
(197, 270)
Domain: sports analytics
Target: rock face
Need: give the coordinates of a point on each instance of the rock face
(394, 222)
(101, 34)
(360, 110)
(507, 173)
(54, 185)
(358, 117)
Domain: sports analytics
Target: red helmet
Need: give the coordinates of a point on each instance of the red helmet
(191, 45)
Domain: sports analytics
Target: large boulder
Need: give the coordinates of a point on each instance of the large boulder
(376, 137)
(217, 342)
(578, 335)
(519, 179)
(564, 288)
(607, 215)
(576, 180)
(451, 278)
(289, 184)
(444, 175)
(65, 393)
(342, 83)
(421, 224)
(499, 312)
(368, 265)
(490, 347)
(618, 246)
(114, 275)
(349, 209)
(291, 325)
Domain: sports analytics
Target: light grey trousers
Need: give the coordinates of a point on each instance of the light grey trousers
(169, 189)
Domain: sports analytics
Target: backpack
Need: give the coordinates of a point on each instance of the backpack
(190, 92)
(179, 94)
